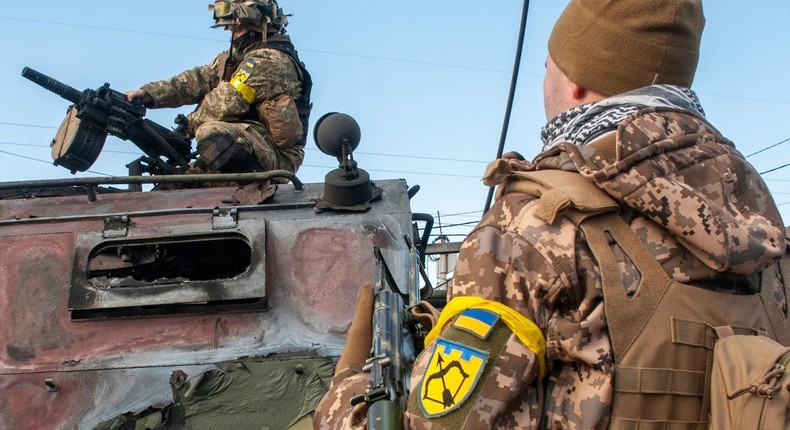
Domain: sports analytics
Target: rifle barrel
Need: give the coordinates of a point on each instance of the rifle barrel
(67, 92)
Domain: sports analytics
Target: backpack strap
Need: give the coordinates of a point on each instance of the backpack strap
(625, 316)
(649, 387)
(778, 318)
(596, 214)
(559, 191)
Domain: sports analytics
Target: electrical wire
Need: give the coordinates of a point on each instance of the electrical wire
(48, 162)
(767, 148)
(774, 169)
(377, 154)
(318, 51)
(33, 145)
(28, 125)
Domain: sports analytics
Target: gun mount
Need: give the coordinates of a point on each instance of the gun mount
(96, 113)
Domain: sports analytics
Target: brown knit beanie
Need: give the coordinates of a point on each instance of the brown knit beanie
(614, 46)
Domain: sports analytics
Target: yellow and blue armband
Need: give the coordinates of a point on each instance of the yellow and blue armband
(481, 323)
(239, 81)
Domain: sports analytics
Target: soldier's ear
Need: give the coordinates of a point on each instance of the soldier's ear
(577, 91)
(582, 95)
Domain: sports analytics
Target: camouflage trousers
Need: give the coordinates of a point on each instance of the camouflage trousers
(254, 138)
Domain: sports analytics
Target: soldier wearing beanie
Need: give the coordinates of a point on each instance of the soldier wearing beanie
(584, 297)
(616, 46)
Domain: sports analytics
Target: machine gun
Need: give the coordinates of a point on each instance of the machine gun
(97, 113)
(397, 339)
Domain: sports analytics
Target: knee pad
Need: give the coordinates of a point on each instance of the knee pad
(222, 154)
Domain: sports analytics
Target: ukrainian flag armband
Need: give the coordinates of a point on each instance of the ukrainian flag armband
(479, 316)
(474, 332)
(239, 81)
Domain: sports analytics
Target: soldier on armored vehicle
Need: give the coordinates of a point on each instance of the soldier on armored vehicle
(253, 100)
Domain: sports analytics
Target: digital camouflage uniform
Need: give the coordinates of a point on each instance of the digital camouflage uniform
(225, 109)
(690, 196)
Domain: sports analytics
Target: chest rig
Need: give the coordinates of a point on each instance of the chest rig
(228, 66)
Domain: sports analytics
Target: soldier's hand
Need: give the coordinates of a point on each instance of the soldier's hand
(360, 334)
(141, 95)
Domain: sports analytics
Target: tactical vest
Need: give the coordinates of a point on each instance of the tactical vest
(281, 43)
(663, 335)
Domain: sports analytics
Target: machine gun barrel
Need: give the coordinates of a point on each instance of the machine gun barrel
(104, 111)
(66, 91)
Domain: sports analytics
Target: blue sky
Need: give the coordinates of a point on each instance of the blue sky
(427, 81)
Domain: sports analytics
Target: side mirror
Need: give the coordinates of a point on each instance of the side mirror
(338, 135)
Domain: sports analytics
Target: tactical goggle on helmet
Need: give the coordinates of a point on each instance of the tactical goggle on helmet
(253, 14)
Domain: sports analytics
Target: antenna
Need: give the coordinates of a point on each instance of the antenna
(511, 95)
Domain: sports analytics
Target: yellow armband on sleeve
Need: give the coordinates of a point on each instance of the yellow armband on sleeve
(239, 81)
(525, 330)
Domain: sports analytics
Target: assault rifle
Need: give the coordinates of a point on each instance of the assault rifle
(97, 113)
(397, 338)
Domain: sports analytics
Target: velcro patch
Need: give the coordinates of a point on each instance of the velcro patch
(450, 377)
(479, 322)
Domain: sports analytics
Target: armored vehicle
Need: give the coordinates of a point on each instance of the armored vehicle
(205, 301)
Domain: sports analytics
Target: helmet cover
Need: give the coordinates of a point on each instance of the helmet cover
(256, 15)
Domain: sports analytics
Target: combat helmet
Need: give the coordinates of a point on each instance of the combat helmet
(260, 16)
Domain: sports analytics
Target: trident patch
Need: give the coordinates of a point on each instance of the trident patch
(452, 374)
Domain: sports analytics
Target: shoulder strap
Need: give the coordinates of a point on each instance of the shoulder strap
(779, 319)
(595, 212)
(559, 191)
(224, 68)
(625, 316)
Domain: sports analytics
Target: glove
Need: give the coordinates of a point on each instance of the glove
(360, 335)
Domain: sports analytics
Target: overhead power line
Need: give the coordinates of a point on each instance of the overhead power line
(461, 224)
(33, 145)
(401, 172)
(27, 125)
(765, 149)
(464, 213)
(47, 162)
(402, 60)
(755, 99)
(378, 154)
(412, 157)
(347, 54)
(774, 169)
(25, 157)
(96, 27)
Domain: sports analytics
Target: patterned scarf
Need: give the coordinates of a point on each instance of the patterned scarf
(583, 124)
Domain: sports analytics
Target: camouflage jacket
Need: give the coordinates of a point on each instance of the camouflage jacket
(268, 74)
(689, 195)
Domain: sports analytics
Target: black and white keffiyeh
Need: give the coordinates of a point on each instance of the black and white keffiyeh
(582, 124)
